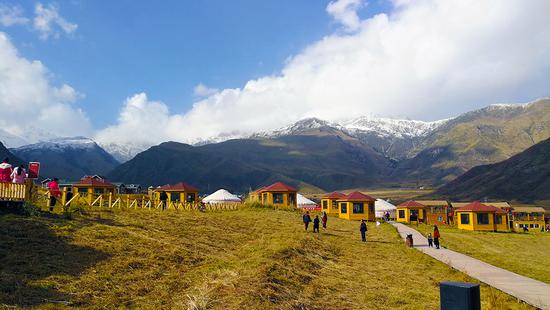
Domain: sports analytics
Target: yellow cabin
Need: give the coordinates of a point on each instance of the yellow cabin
(481, 217)
(436, 211)
(329, 203)
(180, 192)
(93, 185)
(531, 218)
(411, 211)
(277, 194)
(356, 206)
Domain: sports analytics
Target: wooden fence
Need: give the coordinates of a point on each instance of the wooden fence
(13, 192)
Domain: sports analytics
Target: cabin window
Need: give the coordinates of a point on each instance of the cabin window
(401, 214)
(537, 226)
(358, 207)
(343, 207)
(190, 197)
(334, 204)
(82, 190)
(175, 197)
(465, 219)
(98, 190)
(278, 198)
(483, 218)
(531, 226)
(325, 204)
(498, 219)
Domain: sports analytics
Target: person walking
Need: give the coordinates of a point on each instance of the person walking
(316, 224)
(324, 219)
(430, 240)
(436, 237)
(163, 198)
(55, 193)
(307, 219)
(363, 230)
(19, 175)
(5, 171)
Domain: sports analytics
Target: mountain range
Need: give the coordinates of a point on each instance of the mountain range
(366, 151)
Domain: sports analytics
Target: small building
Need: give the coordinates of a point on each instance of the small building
(122, 188)
(90, 185)
(179, 192)
(329, 203)
(481, 217)
(277, 194)
(531, 218)
(436, 211)
(357, 206)
(305, 203)
(383, 207)
(411, 211)
(221, 196)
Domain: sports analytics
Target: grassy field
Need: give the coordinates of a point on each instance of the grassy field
(246, 259)
(524, 253)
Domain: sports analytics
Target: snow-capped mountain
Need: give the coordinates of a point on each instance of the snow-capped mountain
(387, 127)
(68, 158)
(123, 152)
(296, 128)
(27, 135)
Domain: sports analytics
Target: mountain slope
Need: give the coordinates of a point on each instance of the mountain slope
(5, 153)
(479, 137)
(323, 157)
(68, 158)
(525, 176)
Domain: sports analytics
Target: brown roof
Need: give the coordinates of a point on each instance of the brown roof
(334, 195)
(433, 203)
(278, 187)
(411, 203)
(357, 196)
(181, 186)
(94, 181)
(477, 206)
(528, 210)
(498, 204)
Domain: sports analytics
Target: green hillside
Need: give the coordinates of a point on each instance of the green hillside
(525, 176)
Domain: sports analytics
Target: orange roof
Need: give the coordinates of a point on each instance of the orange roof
(477, 206)
(278, 187)
(334, 195)
(411, 203)
(94, 181)
(357, 196)
(181, 186)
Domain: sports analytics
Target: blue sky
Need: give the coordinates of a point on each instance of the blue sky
(166, 48)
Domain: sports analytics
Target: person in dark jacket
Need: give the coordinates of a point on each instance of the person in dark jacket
(307, 220)
(437, 235)
(363, 230)
(316, 224)
(163, 198)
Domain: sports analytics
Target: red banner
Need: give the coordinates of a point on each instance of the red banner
(34, 170)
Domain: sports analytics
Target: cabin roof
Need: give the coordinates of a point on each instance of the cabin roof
(433, 203)
(181, 186)
(334, 195)
(278, 187)
(477, 206)
(94, 181)
(528, 210)
(411, 203)
(357, 196)
(498, 204)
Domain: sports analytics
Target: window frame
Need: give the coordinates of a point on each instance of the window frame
(464, 216)
(482, 216)
(278, 201)
(356, 206)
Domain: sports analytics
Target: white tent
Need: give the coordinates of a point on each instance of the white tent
(303, 202)
(381, 207)
(221, 196)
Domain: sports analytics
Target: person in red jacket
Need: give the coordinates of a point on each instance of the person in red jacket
(436, 236)
(55, 193)
(5, 171)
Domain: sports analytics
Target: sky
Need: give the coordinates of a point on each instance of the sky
(151, 71)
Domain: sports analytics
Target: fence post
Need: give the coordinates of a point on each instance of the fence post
(110, 200)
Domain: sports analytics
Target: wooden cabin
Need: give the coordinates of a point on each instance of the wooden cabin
(481, 217)
(277, 194)
(93, 185)
(411, 211)
(179, 192)
(532, 218)
(329, 203)
(436, 211)
(357, 206)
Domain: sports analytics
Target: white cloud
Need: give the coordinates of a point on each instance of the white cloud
(48, 22)
(202, 90)
(345, 12)
(28, 100)
(426, 59)
(12, 15)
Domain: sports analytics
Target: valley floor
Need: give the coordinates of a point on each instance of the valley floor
(246, 259)
(526, 254)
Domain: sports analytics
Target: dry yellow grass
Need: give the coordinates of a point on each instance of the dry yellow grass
(246, 259)
(523, 253)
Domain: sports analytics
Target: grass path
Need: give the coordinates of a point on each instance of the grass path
(247, 259)
(527, 254)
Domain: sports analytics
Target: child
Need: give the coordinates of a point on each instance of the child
(430, 240)
(316, 224)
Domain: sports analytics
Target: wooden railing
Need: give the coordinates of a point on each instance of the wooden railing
(13, 192)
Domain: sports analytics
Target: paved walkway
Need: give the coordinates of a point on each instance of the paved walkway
(531, 291)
